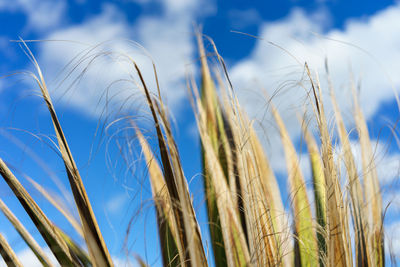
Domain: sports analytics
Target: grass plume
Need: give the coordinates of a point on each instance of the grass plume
(247, 219)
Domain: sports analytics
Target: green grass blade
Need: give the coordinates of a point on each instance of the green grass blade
(319, 185)
(304, 228)
(215, 129)
(171, 247)
(76, 251)
(237, 253)
(338, 243)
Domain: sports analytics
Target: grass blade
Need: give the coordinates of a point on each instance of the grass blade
(269, 231)
(140, 261)
(189, 231)
(171, 247)
(26, 236)
(304, 229)
(43, 224)
(8, 254)
(372, 193)
(97, 249)
(53, 201)
(216, 132)
(237, 253)
(356, 194)
(319, 184)
(76, 251)
(338, 243)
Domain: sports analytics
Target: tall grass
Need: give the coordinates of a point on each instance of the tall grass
(248, 222)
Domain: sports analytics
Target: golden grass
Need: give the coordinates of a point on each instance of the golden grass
(248, 223)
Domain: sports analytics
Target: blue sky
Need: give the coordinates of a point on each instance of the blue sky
(358, 37)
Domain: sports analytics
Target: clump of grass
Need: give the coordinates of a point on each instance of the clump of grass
(248, 223)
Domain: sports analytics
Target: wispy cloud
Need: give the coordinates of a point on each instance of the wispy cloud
(167, 38)
(363, 45)
(41, 14)
(366, 47)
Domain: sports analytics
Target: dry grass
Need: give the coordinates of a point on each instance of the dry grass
(248, 223)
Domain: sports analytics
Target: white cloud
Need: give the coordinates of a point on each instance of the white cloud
(41, 14)
(108, 26)
(280, 70)
(181, 7)
(167, 38)
(271, 66)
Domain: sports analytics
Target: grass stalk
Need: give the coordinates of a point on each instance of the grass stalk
(8, 254)
(43, 224)
(97, 249)
(26, 236)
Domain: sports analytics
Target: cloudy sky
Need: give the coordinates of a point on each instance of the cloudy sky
(83, 49)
